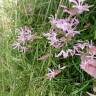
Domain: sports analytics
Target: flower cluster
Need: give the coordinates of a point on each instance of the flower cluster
(87, 53)
(63, 30)
(67, 30)
(78, 49)
(78, 7)
(67, 26)
(52, 73)
(24, 35)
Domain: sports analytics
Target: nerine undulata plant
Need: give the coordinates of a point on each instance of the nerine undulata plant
(63, 30)
(24, 35)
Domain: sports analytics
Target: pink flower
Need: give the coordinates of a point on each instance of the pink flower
(24, 34)
(16, 45)
(72, 33)
(60, 23)
(71, 11)
(91, 49)
(71, 52)
(80, 45)
(53, 20)
(68, 25)
(88, 64)
(79, 4)
(24, 37)
(78, 7)
(52, 73)
(52, 37)
(62, 53)
(74, 22)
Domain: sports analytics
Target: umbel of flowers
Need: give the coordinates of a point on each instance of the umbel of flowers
(67, 30)
(24, 35)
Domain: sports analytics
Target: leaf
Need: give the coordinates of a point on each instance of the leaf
(82, 88)
(94, 85)
(95, 35)
(63, 67)
(90, 94)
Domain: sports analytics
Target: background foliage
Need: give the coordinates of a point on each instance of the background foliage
(23, 74)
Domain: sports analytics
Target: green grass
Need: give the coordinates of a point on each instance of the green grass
(22, 74)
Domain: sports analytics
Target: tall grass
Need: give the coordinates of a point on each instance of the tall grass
(22, 74)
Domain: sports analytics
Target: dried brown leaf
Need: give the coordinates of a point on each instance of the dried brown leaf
(44, 57)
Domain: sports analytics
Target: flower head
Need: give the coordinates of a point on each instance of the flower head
(91, 49)
(80, 5)
(52, 37)
(52, 73)
(16, 45)
(71, 52)
(70, 11)
(80, 45)
(88, 64)
(62, 53)
(68, 25)
(59, 23)
(24, 34)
